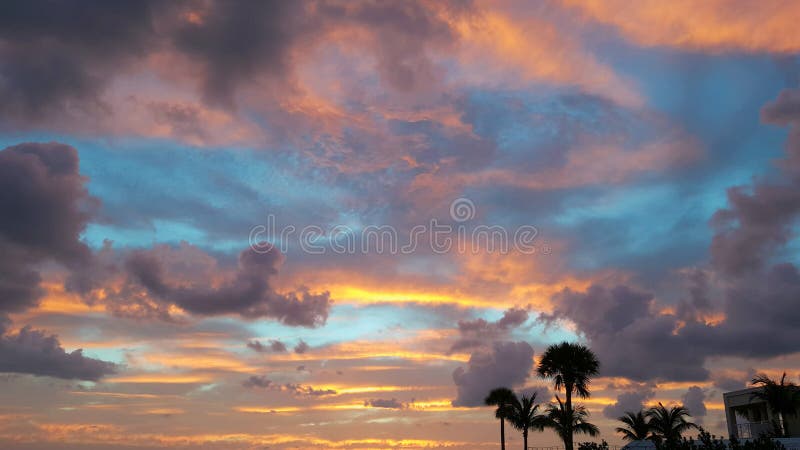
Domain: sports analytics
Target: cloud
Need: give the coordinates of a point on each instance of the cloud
(246, 292)
(392, 403)
(44, 208)
(732, 380)
(693, 401)
(257, 381)
(307, 391)
(753, 226)
(236, 42)
(301, 347)
(478, 332)
(784, 110)
(296, 389)
(34, 352)
(630, 400)
(505, 364)
(275, 346)
(62, 39)
(715, 26)
(630, 339)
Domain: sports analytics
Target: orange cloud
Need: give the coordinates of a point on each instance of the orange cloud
(500, 46)
(715, 25)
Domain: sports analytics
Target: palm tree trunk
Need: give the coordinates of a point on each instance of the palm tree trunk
(502, 434)
(525, 439)
(783, 431)
(568, 404)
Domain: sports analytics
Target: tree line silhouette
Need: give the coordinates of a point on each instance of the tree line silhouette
(571, 367)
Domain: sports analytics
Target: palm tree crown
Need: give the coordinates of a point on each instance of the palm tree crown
(565, 422)
(667, 424)
(783, 398)
(571, 366)
(636, 427)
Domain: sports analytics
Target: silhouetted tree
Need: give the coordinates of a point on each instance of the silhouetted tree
(668, 424)
(567, 422)
(502, 398)
(571, 366)
(783, 398)
(636, 427)
(524, 416)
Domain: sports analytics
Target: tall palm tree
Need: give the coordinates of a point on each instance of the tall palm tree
(571, 366)
(524, 416)
(783, 398)
(567, 422)
(636, 427)
(502, 398)
(668, 424)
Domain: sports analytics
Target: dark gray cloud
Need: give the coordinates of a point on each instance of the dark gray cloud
(693, 400)
(274, 345)
(757, 222)
(630, 339)
(306, 391)
(630, 400)
(301, 347)
(392, 403)
(257, 381)
(505, 364)
(771, 296)
(44, 207)
(479, 332)
(784, 110)
(236, 41)
(652, 345)
(698, 301)
(296, 389)
(247, 293)
(54, 65)
(34, 352)
(53, 61)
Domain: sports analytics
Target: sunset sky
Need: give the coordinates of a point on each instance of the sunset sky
(150, 149)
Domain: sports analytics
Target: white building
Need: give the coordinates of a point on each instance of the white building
(749, 417)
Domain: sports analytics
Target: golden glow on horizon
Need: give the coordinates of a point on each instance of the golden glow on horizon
(156, 378)
(118, 435)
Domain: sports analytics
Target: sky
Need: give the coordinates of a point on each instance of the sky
(330, 224)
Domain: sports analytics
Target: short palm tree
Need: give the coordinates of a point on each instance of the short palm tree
(668, 424)
(567, 422)
(783, 398)
(524, 416)
(571, 366)
(636, 427)
(503, 399)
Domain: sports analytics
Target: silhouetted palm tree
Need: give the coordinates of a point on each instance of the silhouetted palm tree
(571, 366)
(568, 422)
(668, 424)
(636, 427)
(503, 399)
(524, 416)
(783, 398)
